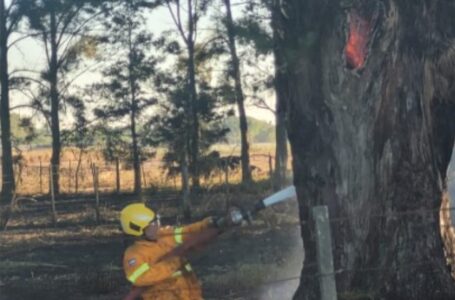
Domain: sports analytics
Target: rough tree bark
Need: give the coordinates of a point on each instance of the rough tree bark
(6, 153)
(194, 106)
(55, 103)
(371, 126)
(239, 97)
(133, 116)
(281, 150)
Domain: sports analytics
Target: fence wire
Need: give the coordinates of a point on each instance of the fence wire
(32, 179)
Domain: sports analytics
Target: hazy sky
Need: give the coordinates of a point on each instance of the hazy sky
(29, 55)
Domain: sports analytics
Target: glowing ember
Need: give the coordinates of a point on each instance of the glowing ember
(356, 49)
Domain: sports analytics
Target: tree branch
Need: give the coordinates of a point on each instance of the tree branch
(177, 20)
(23, 38)
(67, 21)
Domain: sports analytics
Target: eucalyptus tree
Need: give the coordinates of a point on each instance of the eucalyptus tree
(62, 27)
(239, 95)
(372, 129)
(9, 19)
(127, 80)
(187, 28)
(256, 30)
(169, 127)
(81, 135)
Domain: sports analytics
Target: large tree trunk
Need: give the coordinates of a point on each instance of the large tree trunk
(8, 184)
(239, 97)
(372, 129)
(55, 105)
(282, 96)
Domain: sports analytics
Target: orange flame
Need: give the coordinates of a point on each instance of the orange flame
(356, 49)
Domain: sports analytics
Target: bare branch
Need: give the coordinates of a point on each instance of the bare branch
(45, 42)
(23, 38)
(177, 20)
(14, 21)
(261, 103)
(89, 68)
(24, 70)
(69, 18)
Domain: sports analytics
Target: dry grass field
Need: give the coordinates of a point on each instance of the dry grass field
(32, 174)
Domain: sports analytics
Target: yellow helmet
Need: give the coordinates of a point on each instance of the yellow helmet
(135, 217)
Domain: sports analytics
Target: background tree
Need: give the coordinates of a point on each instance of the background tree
(371, 128)
(9, 19)
(187, 27)
(125, 79)
(257, 32)
(239, 96)
(63, 29)
(81, 136)
(170, 125)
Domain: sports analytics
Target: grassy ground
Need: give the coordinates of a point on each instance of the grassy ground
(80, 260)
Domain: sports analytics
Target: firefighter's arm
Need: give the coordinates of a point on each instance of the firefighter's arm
(140, 273)
(196, 227)
(191, 235)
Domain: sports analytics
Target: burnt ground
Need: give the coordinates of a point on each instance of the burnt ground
(80, 260)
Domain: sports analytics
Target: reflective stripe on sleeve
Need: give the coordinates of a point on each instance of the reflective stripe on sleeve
(187, 267)
(178, 235)
(136, 274)
(177, 274)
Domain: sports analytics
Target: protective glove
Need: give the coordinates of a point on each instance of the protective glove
(233, 217)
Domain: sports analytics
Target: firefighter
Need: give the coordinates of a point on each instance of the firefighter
(155, 264)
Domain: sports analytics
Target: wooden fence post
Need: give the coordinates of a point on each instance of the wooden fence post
(69, 177)
(271, 172)
(95, 173)
(117, 176)
(51, 186)
(327, 282)
(143, 175)
(40, 176)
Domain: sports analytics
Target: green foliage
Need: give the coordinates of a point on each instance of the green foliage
(258, 131)
(23, 130)
(81, 135)
(170, 127)
(123, 90)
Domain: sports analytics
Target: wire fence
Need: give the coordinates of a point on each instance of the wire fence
(76, 177)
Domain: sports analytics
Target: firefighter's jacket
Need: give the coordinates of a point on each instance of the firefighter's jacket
(170, 279)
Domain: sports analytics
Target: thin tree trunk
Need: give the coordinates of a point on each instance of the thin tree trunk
(78, 168)
(8, 183)
(136, 158)
(194, 150)
(186, 200)
(239, 97)
(54, 94)
(371, 128)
